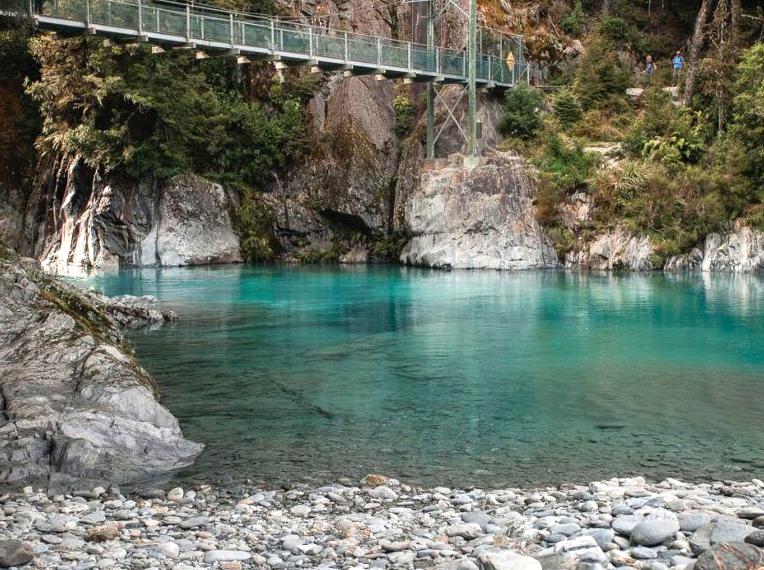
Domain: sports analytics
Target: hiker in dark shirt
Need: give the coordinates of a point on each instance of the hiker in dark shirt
(649, 70)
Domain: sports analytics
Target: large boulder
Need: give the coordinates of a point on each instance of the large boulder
(76, 405)
(475, 218)
(194, 225)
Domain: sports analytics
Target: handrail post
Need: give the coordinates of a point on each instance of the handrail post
(379, 52)
(87, 12)
(409, 57)
(30, 7)
(437, 60)
(310, 41)
(201, 26)
(230, 20)
(140, 18)
(273, 36)
(188, 23)
(346, 48)
(490, 71)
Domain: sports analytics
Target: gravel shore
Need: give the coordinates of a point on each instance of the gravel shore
(381, 523)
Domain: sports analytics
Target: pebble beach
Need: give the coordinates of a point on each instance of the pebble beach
(383, 523)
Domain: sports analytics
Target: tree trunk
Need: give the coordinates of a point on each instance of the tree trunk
(735, 11)
(696, 45)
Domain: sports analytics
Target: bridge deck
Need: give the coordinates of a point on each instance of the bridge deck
(172, 24)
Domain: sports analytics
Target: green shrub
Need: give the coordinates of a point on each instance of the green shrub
(404, 114)
(563, 164)
(566, 108)
(676, 207)
(667, 134)
(573, 23)
(601, 78)
(254, 224)
(522, 112)
(614, 29)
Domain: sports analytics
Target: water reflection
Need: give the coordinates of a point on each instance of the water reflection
(492, 378)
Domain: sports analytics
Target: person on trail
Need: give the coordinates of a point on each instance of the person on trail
(649, 69)
(677, 64)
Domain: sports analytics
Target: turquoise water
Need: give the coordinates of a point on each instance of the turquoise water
(486, 378)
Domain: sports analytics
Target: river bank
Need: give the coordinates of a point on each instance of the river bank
(382, 523)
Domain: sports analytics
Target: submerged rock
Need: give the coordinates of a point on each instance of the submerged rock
(480, 218)
(76, 404)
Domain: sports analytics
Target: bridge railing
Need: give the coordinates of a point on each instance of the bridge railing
(208, 24)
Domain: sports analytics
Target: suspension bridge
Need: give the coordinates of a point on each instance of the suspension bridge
(166, 24)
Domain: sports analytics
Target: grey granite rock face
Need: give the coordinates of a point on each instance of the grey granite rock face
(194, 225)
(481, 218)
(613, 250)
(76, 405)
(740, 250)
(80, 219)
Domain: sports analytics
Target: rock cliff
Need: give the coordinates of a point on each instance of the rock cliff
(77, 218)
(481, 218)
(615, 250)
(741, 250)
(76, 406)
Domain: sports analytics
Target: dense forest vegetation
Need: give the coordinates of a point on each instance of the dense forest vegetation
(691, 159)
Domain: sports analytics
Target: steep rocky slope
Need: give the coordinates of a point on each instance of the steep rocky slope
(76, 405)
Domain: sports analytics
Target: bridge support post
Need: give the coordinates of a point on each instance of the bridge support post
(471, 157)
(430, 87)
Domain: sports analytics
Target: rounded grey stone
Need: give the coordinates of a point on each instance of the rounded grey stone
(654, 531)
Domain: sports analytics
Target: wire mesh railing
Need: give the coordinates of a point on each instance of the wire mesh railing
(194, 23)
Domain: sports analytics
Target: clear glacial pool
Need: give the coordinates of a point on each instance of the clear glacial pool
(295, 374)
